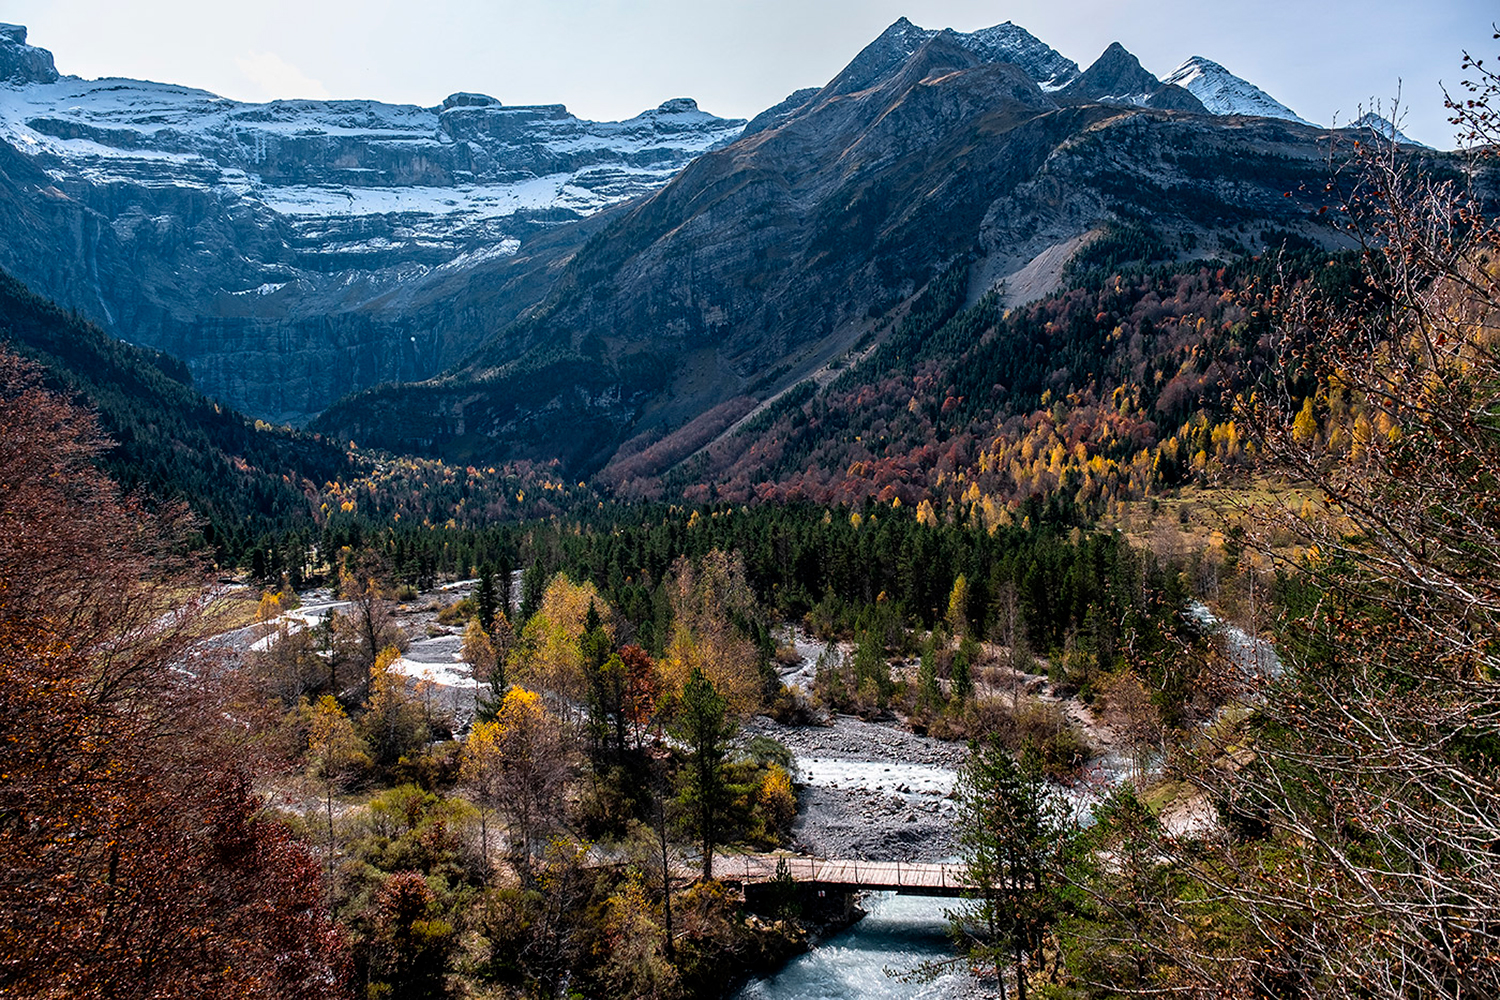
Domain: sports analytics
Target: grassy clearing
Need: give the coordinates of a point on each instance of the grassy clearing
(1196, 519)
(231, 610)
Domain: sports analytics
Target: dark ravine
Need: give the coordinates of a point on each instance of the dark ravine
(240, 478)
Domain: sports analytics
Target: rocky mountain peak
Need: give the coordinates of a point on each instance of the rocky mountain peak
(1199, 85)
(1383, 127)
(882, 57)
(1003, 43)
(1014, 44)
(1117, 77)
(678, 106)
(888, 56)
(941, 51)
(21, 63)
(1223, 93)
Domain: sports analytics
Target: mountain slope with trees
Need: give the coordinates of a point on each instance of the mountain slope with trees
(241, 478)
(765, 260)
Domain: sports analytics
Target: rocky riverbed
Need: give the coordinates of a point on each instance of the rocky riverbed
(870, 790)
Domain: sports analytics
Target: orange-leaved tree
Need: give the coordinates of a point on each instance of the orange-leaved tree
(133, 859)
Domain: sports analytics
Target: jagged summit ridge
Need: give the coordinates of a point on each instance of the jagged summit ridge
(1007, 42)
(1199, 85)
(1223, 93)
(1013, 44)
(888, 53)
(1116, 77)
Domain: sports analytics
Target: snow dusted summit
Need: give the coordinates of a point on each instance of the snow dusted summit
(1223, 93)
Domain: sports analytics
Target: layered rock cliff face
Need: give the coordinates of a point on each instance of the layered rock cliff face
(763, 260)
(294, 251)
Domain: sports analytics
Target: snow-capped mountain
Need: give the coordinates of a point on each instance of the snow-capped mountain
(204, 226)
(1385, 128)
(453, 172)
(294, 251)
(1223, 93)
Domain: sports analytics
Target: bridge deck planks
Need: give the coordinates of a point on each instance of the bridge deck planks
(834, 871)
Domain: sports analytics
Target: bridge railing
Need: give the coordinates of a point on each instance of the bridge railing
(850, 871)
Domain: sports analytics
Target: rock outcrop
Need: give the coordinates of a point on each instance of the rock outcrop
(21, 63)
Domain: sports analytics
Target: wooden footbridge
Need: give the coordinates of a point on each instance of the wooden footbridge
(844, 875)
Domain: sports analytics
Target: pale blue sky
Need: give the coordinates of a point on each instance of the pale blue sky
(610, 59)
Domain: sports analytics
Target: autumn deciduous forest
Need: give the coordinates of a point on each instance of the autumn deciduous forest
(134, 857)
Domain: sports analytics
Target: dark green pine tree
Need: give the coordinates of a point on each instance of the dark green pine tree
(1013, 841)
(533, 587)
(606, 685)
(961, 672)
(486, 598)
(704, 726)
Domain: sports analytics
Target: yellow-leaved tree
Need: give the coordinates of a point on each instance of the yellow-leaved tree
(958, 606)
(516, 765)
(483, 658)
(335, 756)
(711, 605)
(548, 656)
(393, 723)
(480, 773)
